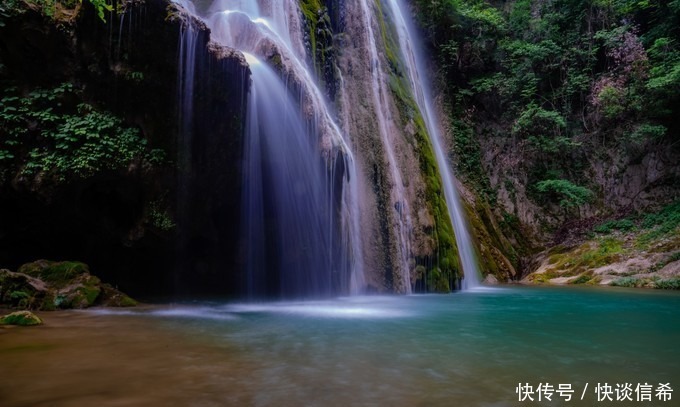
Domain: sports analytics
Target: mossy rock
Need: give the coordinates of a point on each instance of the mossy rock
(58, 273)
(49, 285)
(111, 297)
(584, 278)
(81, 297)
(21, 318)
(437, 281)
(17, 291)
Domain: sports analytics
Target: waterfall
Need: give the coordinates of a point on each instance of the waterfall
(310, 213)
(288, 204)
(380, 96)
(186, 77)
(415, 63)
(299, 216)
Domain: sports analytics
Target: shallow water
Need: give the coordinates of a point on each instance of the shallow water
(466, 349)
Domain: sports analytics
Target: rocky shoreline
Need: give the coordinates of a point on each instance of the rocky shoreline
(50, 285)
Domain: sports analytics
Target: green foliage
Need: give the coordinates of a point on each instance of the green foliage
(535, 120)
(19, 298)
(469, 158)
(646, 131)
(674, 257)
(668, 217)
(624, 225)
(582, 279)
(101, 6)
(654, 282)
(568, 194)
(135, 76)
(669, 284)
(48, 133)
(631, 282)
(665, 72)
(9, 8)
(655, 225)
(160, 218)
(612, 100)
(561, 80)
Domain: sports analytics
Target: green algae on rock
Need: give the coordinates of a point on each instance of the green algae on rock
(49, 285)
(21, 318)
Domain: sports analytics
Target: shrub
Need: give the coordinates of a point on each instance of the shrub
(568, 194)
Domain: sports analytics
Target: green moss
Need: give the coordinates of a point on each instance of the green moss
(311, 9)
(88, 295)
(48, 302)
(595, 280)
(388, 37)
(543, 278)
(22, 318)
(446, 256)
(588, 256)
(662, 224)
(437, 281)
(54, 272)
(126, 301)
(582, 279)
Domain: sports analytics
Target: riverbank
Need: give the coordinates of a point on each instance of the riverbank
(640, 251)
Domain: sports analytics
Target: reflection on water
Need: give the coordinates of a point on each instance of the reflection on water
(463, 349)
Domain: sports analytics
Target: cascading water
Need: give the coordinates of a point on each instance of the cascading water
(386, 130)
(186, 77)
(302, 209)
(300, 223)
(415, 64)
(287, 213)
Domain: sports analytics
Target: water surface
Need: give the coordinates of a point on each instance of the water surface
(467, 349)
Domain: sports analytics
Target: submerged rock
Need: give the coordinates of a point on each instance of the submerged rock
(49, 285)
(21, 318)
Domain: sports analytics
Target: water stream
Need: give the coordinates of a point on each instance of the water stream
(412, 51)
(380, 93)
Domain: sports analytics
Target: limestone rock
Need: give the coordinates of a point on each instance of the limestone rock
(490, 279)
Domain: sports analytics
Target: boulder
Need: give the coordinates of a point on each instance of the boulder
(21, 318)
(490, 279)
(49, 285)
